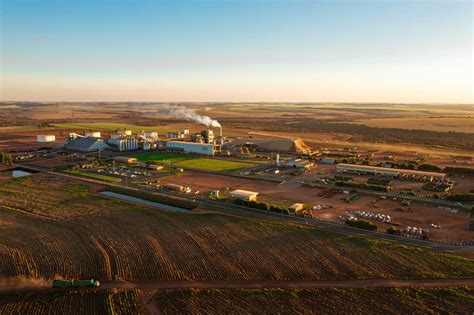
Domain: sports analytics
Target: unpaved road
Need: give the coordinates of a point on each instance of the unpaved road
(267, 284)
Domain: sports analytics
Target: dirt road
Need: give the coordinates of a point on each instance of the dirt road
(265, 284)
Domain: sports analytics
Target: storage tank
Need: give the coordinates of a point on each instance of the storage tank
(45, 138)
(93, 134)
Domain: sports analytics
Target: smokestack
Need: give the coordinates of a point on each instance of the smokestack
(221, 137)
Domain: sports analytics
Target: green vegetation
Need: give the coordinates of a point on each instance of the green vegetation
(392, 230)
(162, 157)
(363, 186)
(6, 158)
(361, 224)
(214, 164)
(261, 205)
(94, 175)
(429, 168)
(468, 197)
(460, 170)
(185, 204)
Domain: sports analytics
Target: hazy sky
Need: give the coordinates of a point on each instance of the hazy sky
(360, 51)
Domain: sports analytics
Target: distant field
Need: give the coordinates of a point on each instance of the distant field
(94, 175)
(162, 157)
(447, 124)
(106, 126)
(214, 164)
(380, 107)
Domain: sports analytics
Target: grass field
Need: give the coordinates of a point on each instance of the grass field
(317, 301)
(179, 160)
(162, 157)
(94, 175)
(214, 164)
(54, 226)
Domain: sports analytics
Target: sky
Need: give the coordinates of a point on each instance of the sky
(396, 51)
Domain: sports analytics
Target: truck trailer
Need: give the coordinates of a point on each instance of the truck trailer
(90, 283)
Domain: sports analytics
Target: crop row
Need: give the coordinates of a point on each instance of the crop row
(70, 302)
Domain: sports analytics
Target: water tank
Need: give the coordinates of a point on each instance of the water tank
(45, 138)
(93, 134)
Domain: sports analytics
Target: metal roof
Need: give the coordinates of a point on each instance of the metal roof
(86, 144)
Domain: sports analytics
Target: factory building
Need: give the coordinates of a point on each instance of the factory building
(191, 147)
(244, 194)
(93, 134)
(151, 134)
(299, 163)
(124, 132)
(388, 171)
(86, 144)
(45, 138)
(127, 143)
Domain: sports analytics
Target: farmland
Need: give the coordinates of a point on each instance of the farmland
(319, 301)
(80, 235)
(70, 302)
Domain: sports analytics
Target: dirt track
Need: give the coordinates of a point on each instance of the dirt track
(269, 284)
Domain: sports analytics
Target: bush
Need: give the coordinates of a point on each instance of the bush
(261, 206)
(392, 230)
(429, 167)
(363, 186)
(361, 224)
(469, 197)
(461, 170)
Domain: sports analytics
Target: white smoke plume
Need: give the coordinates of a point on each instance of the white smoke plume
(189, 114)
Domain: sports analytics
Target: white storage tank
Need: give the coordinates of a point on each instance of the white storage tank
(93, 134)
(45, 138)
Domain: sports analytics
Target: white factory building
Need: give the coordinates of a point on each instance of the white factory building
(45, 138)
(192, 147)
(93, 134)
(127, 144)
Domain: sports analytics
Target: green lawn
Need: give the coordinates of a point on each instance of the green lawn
(213, 164)
(94, 175)
(162, 157)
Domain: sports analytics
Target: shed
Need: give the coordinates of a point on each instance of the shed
(244, 194)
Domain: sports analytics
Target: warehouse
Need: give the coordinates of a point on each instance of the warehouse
(45, 138)
(86, 145)
(244, 194)
(388, 171)
(299, 163)
(191, 147)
